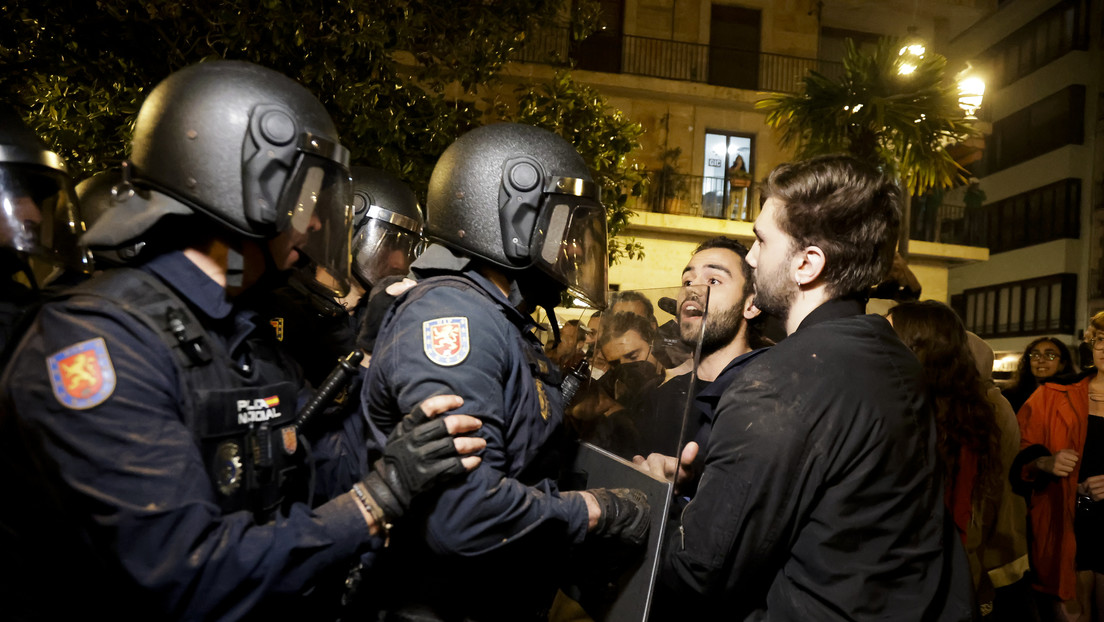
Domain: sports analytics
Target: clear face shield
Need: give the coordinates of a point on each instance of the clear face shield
(316, 204)
(385, 244)
(40, 219)
(571, 240)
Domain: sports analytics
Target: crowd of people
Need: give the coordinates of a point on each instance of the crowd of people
(287, 389)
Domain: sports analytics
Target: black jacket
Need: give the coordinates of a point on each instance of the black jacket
(821, 497)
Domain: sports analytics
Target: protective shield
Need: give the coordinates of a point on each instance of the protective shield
(628, 380)
(609, 583)
(631, 393)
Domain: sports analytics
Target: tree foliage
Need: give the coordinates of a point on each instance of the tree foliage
(79, 71)
(902, 122)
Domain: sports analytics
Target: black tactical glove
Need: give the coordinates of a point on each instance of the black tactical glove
(419, 455)
(625, 514)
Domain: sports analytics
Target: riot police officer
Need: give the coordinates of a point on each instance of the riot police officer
(162, 471)
(40, 223)
(514, 219)
(316, 328)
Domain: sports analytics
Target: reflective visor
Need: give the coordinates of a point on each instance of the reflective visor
(40, 217)
(382, 249)
(318, 200)
(571, 246)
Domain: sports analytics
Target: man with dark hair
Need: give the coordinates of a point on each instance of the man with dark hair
(732, 331)
(632, 302)
(820, 497)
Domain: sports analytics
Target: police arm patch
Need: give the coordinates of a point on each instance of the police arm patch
(445, 340)
(82, 375)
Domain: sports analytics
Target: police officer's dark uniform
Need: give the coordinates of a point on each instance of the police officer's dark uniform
(161, 417)
(40, 223)
(516, 202)
(314, 328)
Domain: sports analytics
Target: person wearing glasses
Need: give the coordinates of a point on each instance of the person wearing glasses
(1043, 359)
(1060, 468)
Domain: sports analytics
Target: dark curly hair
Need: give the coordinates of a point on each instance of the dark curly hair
(964, 417)
(1025, 380)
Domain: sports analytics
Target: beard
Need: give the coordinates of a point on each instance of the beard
(721, 328)
(774, 294)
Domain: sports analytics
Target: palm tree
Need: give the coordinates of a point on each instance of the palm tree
(893, 109)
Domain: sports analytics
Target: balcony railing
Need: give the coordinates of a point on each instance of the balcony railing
(697, 195)
(948, 223)
(673, 60)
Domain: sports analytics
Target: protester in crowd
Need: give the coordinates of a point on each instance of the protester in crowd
(151, 435)
(466, 328)
(1061, 469)
(732, 330)
(967, 437)
(1043, 359)
(1003, 550)
(821, 497)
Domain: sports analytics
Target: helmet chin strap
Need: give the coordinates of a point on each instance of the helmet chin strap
(235, 268)
(540, 290)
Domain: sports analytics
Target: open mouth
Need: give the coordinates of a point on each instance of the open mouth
(691, 309)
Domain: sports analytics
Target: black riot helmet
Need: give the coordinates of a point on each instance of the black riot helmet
(387, 226)
(248, 148)
(40, 218)
(521, 198)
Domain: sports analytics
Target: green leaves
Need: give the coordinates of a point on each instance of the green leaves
(400, 78)
(899, 121)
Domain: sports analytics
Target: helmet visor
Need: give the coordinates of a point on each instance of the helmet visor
(382, 249)
(40, 218)
(318, 201)
(572, 246)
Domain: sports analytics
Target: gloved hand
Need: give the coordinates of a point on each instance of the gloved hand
(624, 514)
(420, 454)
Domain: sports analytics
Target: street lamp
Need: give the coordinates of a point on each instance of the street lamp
(971, 90)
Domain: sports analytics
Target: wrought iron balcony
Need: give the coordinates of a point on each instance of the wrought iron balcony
(673, 60)
(697, 195)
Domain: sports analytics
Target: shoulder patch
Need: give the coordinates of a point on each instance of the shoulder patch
(445, 340)
(82, 375)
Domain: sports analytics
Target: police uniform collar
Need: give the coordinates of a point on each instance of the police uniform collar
(438, 259)
(191, 283)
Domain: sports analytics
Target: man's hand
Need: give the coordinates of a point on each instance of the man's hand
(620, 513)
(663, 467)
(421, 453)
(1060, 464)
(1092, 487)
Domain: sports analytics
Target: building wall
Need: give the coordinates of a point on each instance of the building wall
(1071, 161)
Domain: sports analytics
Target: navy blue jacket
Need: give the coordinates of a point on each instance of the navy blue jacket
(509, 509)
(130, 473)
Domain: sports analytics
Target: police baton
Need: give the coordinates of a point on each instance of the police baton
(334, 384)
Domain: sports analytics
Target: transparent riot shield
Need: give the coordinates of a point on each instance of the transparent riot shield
(630, 393)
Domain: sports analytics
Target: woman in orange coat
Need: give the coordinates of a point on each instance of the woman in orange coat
(1061, 465)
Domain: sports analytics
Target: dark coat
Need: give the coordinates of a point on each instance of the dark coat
(821, 497)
